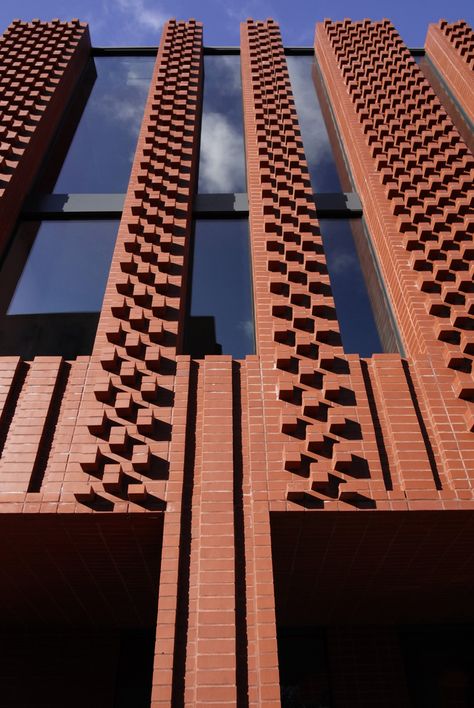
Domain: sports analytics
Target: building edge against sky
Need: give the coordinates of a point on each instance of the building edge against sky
(292, 525)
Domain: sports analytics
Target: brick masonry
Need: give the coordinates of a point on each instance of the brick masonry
(215, 447)
(40, 63)
(451, 49)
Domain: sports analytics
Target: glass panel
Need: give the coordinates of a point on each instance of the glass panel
(65, 269)
(319, 152)
(221, 318)
(222, 157)
(100, 155)
(354, 310)
(439, 663)
(303, 666)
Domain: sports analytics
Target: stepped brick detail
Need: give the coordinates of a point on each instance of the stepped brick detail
(304, 370)
(451, 49)
(40, 63)
(414, 175)
(127, 410)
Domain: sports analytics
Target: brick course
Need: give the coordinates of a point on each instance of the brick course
(40, 63)
(451, 49)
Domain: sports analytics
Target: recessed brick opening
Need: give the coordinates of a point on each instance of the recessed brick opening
(78, 597)
(375, 608)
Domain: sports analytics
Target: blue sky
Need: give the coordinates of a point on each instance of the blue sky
(139, 22)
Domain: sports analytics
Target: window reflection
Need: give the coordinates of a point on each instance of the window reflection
(221, 312)
(222, 156)
(317, 145)
(66, 267)
(363, 312)
(53, 282)
(100, 155)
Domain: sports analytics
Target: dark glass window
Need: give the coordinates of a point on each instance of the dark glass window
(222, 156)
(317, 144)
(439, 663)
(98, 157)
(66, 267)
(221, 309)
(53, 281)
(362, 308)
(303, 665)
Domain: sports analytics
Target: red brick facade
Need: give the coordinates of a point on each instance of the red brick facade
(451, 49)
(40, 65)
(245, 469)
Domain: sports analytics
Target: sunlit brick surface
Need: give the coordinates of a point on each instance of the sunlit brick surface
(40, 63)
(451, 49)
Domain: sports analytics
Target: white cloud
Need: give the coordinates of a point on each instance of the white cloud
(126, 109)
(122, 22)
(220, 168)
(228, 70)
(247, 327)
(257, 9)
(146, 17)
(122, 111)
(316, 149)
(342, 262)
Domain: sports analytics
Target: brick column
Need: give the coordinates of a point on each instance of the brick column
(451, 49)
(26, 451)
(318, 434)
(121, 448)
(262, 656)
(128, 451)
(211, 643)
(413, 173)
(40, 63)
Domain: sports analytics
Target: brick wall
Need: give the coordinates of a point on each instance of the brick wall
(40, 63)
(451, 49)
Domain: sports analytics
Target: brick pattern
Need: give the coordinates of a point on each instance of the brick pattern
(262, 656)
(40, 403)
(330, 427)
(171, 585)
(211, 648)
(23, 455)
(414, 176)
(409, 459)
(451, 49)
(454, 438)
(317, 420)
(122, 441)
(293, 305)
(10, 368)
(40, 63)
(296, 323)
